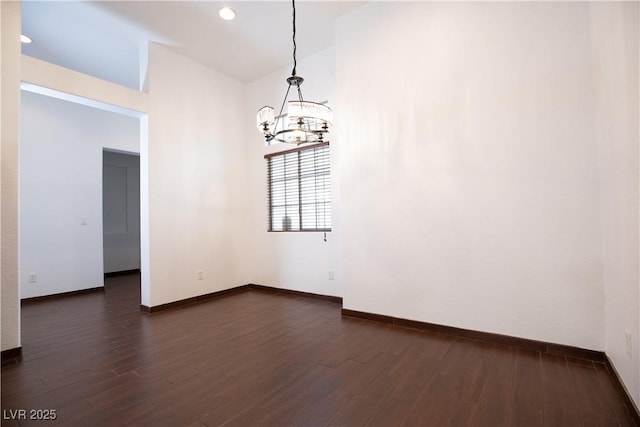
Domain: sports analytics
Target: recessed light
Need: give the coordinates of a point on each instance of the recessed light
(25, 39)
(227, 13)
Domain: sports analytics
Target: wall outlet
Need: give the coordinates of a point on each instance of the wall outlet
(627, 337)
(200, 275)
(84, 220)
(32, 277)
(331, 275)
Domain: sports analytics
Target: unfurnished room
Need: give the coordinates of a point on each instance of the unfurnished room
(320, 213)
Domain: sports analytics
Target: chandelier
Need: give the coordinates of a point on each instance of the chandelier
(304, 121)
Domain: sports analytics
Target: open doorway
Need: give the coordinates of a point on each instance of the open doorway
(61, 204)
(121, 212)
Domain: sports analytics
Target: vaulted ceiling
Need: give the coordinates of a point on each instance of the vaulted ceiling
(104, 38)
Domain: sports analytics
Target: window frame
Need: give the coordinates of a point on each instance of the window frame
(299, 177)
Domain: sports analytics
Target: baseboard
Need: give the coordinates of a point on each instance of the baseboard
(226, 292)
(541, 346)
(633, 408)
(11, 356)
(295, 293)
(62, 295)
(121, 273)
(194, 300)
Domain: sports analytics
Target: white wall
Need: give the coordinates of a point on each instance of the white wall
(193, 175)
(197, 179)
(60, 184)
(468, 167)
(195, 172)
(615, 63)
(9, 141)
(64, 83)
(291, 260)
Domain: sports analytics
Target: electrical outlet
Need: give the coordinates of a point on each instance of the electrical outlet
(627, 336)
(200, 275)
(32, 277)
(331, 275)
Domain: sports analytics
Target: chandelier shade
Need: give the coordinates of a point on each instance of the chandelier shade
(311, 111)
(304, 121)
(266, 119)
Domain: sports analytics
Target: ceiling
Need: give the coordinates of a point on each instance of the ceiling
(104, 38)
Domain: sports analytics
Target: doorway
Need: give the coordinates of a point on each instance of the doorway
(121, 211)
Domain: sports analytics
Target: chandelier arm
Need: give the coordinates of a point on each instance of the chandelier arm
(284, 101)
(295, 47)
(300, 120)
(300, 94)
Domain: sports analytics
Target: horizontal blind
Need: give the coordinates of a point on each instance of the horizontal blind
(299, 188)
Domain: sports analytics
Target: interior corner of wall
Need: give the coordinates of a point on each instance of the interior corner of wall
(144, 67)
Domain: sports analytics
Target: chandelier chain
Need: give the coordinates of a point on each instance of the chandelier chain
(295, 47)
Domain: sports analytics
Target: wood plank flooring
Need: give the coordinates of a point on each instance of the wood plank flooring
(263, 359)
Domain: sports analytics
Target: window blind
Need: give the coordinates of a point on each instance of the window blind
(299, 189)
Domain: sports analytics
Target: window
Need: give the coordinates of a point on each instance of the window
(299, 184)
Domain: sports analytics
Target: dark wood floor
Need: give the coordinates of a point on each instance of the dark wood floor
(263, 359)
